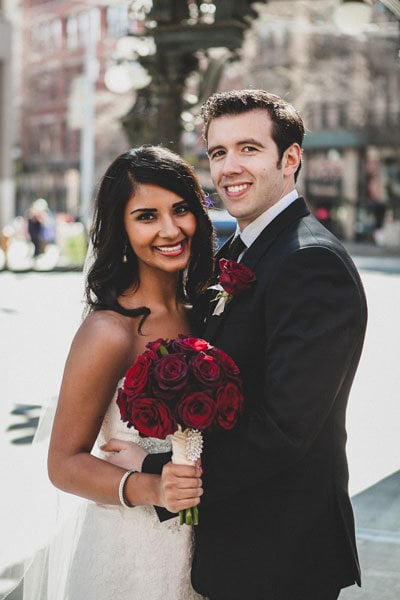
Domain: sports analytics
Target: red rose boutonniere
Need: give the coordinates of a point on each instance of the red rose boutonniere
(234, 278)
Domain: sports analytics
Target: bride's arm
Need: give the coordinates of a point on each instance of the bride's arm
(91, 374)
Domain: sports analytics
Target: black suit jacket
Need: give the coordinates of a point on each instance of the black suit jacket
(276, 522)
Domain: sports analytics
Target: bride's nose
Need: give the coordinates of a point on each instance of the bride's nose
(169, 228)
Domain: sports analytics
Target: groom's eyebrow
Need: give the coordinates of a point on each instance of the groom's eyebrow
(244, 142)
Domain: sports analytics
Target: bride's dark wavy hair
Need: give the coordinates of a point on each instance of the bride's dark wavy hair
(108, 276)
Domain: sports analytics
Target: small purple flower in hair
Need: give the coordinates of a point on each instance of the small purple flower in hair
(208, 201)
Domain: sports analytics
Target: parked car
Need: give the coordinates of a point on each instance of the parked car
(224, 224)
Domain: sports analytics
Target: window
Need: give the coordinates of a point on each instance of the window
(117, 20)
(78, 27)
(47, 36)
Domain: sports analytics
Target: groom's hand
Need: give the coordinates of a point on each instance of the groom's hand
(180, 487)
(127, 455)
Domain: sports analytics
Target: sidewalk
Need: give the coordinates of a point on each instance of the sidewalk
(377, 516)
(369, 257)
(377, 509)
(372, 250)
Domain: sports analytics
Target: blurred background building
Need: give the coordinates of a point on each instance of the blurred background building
(86, 80)
(6, 119)
(345, 81)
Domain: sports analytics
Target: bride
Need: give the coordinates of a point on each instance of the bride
(152, 254)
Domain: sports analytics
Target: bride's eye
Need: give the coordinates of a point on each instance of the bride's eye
(146, 216)
(182, 209)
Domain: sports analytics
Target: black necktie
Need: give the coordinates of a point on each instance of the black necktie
(236, 247)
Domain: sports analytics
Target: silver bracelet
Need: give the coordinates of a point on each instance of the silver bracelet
(121, 488)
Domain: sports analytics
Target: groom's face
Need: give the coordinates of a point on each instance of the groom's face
(245, 166)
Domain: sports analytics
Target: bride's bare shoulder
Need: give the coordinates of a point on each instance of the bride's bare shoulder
(107, 327)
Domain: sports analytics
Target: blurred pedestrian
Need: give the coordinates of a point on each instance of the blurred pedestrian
(40, 225)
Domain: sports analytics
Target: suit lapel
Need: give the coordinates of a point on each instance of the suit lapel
(223, 251)
(295, 211)
(252, 256)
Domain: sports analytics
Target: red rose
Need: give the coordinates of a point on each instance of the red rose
(206, 370)
(235, 277)
(189, 344)
(171, 372)
(154, 346)
(227, 363)
(196, 410)
(123, 404)
(152, 417)
(137, 375)
(229, 405)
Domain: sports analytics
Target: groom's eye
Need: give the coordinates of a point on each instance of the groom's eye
(216, 154)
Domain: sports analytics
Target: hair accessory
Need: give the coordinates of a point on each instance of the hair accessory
(121, 488)
(208, 201)
(124, 256)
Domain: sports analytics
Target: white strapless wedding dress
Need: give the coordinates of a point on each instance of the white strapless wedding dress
(105, 552)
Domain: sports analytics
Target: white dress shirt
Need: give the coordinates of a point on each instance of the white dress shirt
(253, 230)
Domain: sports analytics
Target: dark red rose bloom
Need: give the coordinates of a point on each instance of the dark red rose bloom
(235, 277)
(154, 346)
(189, 344)
(197, 411)
(229, 405)
(206, 370)
(138, 374)
(152, 417)
(171, 372)
(227, 363)
(123, 404)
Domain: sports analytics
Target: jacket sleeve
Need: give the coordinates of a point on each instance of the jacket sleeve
(312, 317)
(153, 463)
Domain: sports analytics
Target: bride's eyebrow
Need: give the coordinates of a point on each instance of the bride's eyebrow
(143, 210)
(154, 210)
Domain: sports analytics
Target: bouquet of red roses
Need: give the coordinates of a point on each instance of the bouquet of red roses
(181, 387)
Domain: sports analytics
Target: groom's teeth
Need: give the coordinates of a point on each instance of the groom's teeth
(234, 189)
(167, 249)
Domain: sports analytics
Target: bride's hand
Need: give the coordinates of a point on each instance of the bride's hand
(180, 487)
(128, 455)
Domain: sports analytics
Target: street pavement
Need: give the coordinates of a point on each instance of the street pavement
(39, 313)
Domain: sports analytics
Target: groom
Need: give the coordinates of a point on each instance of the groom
(276, 522)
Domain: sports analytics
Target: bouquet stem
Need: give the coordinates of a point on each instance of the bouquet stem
(189, 516)
(186, 449)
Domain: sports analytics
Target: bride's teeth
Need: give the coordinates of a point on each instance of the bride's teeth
(169, 248)
(234, 189)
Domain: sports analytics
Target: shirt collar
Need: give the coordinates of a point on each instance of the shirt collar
(253, 230)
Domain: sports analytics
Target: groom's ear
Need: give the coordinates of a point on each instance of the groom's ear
(291, 159)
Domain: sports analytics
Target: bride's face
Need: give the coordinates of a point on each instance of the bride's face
(160, 228)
